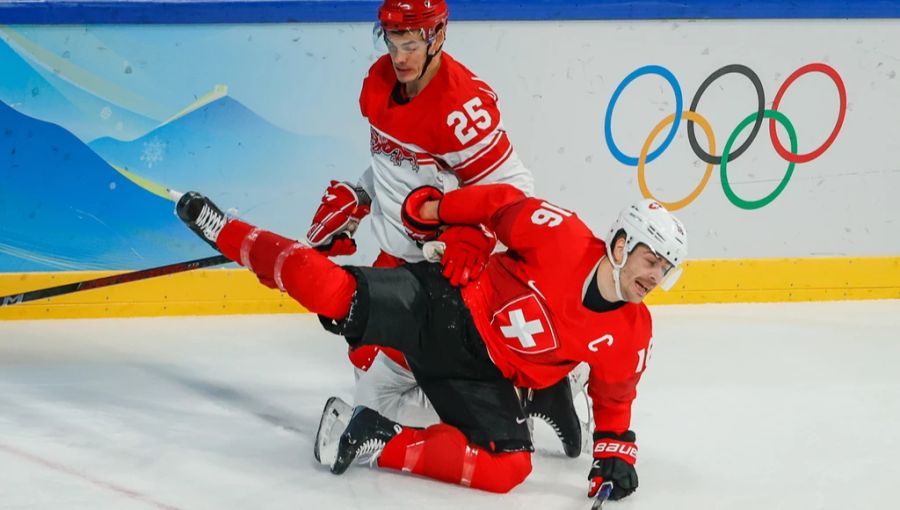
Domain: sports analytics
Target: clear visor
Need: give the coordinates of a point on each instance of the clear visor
(378, 38)
(394, 43)
(670, 275)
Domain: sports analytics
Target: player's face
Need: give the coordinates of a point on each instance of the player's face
(408, 53)
(643, 271)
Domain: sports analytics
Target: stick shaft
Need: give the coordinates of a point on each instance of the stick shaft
(117, 279)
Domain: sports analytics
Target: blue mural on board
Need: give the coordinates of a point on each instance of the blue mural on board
(228, 152)
(98, 122)
(45, 91)
(63, 207)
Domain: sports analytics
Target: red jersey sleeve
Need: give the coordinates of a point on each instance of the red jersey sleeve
(477, 205)
(612, 403)
(616, 373)
(484, 145)
(471, 141)
(364, 95)
(377, 78)
(524, 225)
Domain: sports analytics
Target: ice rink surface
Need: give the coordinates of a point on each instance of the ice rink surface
(771, 406)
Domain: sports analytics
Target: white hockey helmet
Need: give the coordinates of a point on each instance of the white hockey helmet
(649, 223)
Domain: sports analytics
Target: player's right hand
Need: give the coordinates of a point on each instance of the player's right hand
(614, 458)
(336, 219)
(466, 252)
(417, 227)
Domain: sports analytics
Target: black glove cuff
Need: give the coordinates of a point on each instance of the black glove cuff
(362, 196)
(412, 219)
(628, 436)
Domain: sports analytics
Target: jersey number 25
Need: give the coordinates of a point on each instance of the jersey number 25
(473, 114)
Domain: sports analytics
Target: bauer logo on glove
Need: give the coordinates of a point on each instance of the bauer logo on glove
(626, 449)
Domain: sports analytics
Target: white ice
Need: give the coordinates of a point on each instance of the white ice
(774, 406)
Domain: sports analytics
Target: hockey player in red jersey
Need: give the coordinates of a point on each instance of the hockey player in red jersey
(535, 312)
(432, 122)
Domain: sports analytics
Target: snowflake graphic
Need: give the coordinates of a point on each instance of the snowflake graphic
(154, 152)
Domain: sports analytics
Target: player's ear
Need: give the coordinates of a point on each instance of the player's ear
(619, 248)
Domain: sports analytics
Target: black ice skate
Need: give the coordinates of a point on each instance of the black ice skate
(335, 417)
(364, 438)
(201, 215)
(554, 405)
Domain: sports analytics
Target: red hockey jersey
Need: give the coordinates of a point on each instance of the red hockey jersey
(528, 303)
(449, 135)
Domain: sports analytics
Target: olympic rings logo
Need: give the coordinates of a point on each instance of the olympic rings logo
(729, 154)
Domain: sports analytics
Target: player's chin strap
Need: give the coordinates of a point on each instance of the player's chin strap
(617, 268)
(429, 55)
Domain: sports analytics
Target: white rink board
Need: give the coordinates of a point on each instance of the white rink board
(555, 81)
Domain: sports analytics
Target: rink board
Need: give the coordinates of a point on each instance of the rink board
(236, 291)
(828, 235)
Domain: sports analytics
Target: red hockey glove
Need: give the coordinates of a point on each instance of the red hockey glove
(614, 458)
(339, 213)
(340, 244)
(418, 228)
(465, 254)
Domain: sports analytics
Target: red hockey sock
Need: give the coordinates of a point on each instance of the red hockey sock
(442, 452)
(311, 278)
(317, 283)
(230, 238)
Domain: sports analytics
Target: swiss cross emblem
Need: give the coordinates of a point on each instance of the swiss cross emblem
(523, 323)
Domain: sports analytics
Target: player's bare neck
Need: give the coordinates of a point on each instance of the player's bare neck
(414, 88)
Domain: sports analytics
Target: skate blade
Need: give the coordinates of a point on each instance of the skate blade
(335, 417)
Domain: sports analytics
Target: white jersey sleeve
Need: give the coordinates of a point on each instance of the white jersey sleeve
(366, 182)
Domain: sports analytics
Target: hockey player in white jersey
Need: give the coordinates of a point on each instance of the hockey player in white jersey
(432, 122)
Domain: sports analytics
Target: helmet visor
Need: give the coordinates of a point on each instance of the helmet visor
(398, 42)
(670, 278)
(670, 274)
(378, 41)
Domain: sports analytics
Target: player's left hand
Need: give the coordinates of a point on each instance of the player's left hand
(340, 244)
(614, 458)
(466, 253)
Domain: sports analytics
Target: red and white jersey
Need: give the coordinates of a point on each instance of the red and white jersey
(528, 303)
(449, 135)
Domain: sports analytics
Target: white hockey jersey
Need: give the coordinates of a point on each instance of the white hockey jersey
(447, 136)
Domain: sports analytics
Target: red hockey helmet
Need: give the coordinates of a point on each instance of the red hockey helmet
(425, 15)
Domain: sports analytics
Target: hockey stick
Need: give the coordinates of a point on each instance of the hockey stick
(602, 495)
(107, 281)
